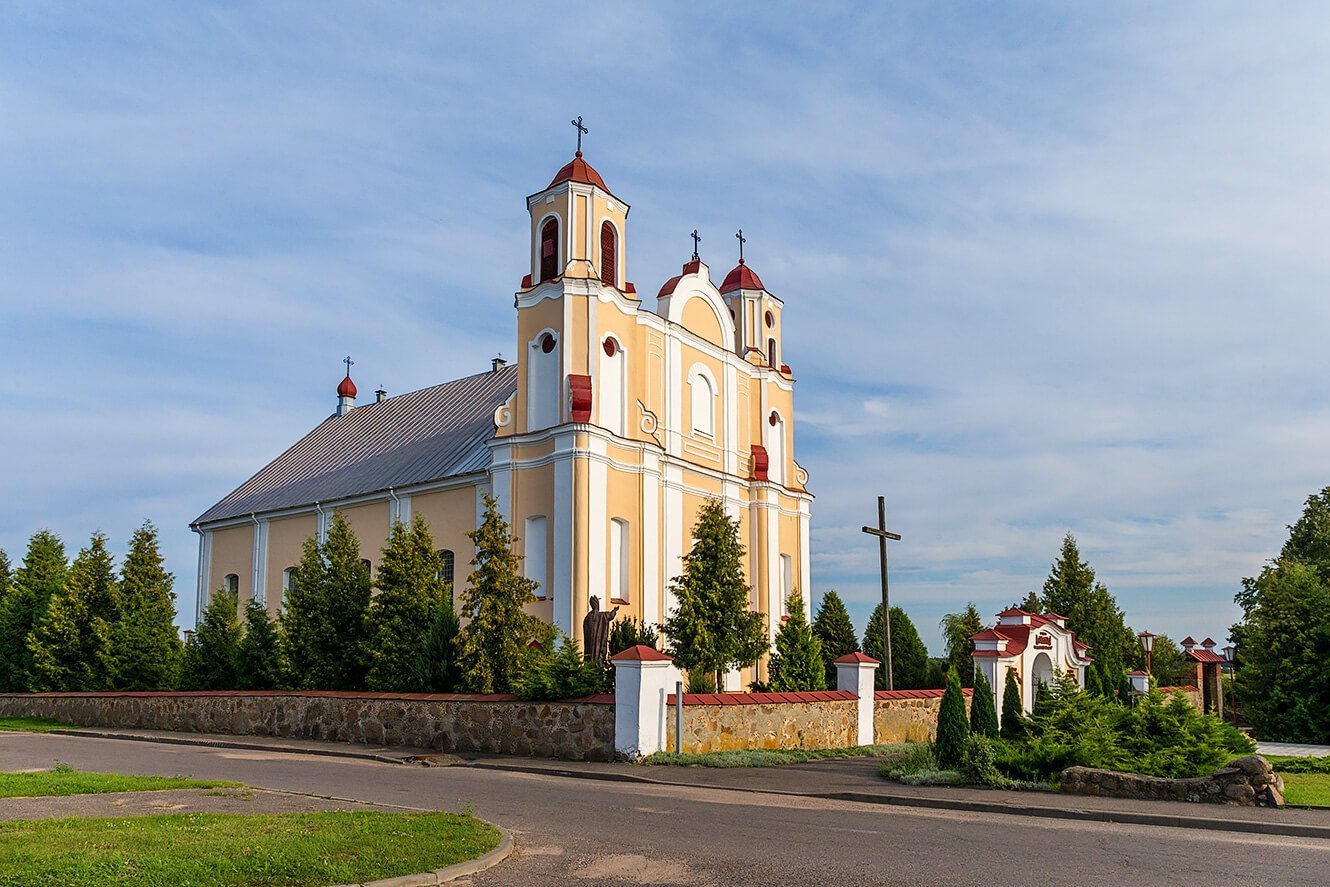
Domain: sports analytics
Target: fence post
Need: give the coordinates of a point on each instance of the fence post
(641, 676)
(854, 673)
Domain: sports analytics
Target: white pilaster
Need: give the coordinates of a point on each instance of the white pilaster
(854, 673)
(642, 679)
(562, 578)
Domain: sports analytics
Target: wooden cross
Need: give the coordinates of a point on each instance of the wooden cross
(880, 531)
(348, 361)
(581, 130)
(742, 241)
(696, 240)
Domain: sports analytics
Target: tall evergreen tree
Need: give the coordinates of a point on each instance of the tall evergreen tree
(259, 661)
(436, 668)
(145, 649)
(953, 727)
(957, 629)
(42, 574)
(6, 576)
(909, 656)
(70, 644)
(1093, 613)
(410, 589)
(1309, 539)
(1031, 603)
(983, 713)
(495, 645)
(797, 664)
(713, 629)
(1013, 714)
(834, 629)
(325, 623)
(211, 660)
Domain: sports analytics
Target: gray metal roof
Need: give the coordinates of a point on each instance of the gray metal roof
(414, 438)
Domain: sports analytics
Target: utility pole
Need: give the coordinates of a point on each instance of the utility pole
(882, 536)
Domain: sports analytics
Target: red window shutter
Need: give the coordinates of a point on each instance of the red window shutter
(608, 255)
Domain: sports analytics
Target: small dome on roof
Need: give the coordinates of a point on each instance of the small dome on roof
(578, 170)
(741, 278)
(347, 388)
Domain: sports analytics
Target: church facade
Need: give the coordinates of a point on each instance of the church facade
(617, 423)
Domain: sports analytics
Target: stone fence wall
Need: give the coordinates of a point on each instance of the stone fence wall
(575, 730)
(908, 715)
(1246, 782)
(740, 721)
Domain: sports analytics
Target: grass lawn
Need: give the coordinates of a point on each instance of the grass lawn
(64, 781)
(768, 757)
(212, 848)
(1312, 789)
(30, 725)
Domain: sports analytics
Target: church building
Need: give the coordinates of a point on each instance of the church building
(618, 421)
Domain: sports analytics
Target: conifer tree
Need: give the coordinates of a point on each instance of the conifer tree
(70, 644)
(211, 660)
(713, 629)
(983, 713)
(1071, 590)
(1092, 685)
(953, 727)
(1013, 714)
(626, 632)
(42, 574)
(325, 624)
(410, 589)
(6, 576)
(909, 656)
(259, 662)
(957, 629)
(494, 645)
(834, 629)
(145, 649)
(436, 665)
(797, 664)
(1043, 702)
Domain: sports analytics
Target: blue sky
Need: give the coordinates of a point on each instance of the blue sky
(1047, 267)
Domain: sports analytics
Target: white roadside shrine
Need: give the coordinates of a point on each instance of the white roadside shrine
(1036, 646)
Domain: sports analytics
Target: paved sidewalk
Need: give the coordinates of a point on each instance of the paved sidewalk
(383, 754)
(1293, 749)
(188, 800)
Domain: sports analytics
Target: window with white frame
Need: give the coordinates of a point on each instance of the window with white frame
(786, 584)
(288, 583)
(543, 406)
(702, 401)
(534, 562)
(613, 404)
(231, 585)
(620, 557)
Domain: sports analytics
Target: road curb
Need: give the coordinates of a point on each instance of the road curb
(1080, 814)
(451, 872)
(228, 743)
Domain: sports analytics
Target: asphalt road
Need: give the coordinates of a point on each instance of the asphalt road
(580, 832)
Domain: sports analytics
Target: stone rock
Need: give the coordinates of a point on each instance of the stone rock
(1252, 765)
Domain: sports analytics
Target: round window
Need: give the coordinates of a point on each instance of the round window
(547, 343)
(771, 319)
(611, 347)
(773, 418)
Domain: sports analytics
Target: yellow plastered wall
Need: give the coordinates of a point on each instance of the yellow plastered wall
(532, 494)
(233, 552)
(370, 524)
(286, 540)
(450, 515)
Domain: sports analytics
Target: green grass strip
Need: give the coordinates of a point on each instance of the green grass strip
(223, 849)
(1311, 789)
(768, 757)
(62, 781)
(30, 725)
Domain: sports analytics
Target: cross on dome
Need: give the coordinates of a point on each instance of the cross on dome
(696, 240)
(581, 131)
(742, 241)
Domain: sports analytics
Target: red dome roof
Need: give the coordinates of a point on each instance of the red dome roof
(578, 170)
(347, 388)
(741, 278)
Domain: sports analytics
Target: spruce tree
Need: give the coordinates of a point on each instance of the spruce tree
(957, 629)
(259, 663)
(410, 589)
(1071, 590)
(713, 628)
(1043, 703)
(71, 643)
(211, 660)
(983, 713)
(1013, 715)
(42, 574)
(909, 656)
(834, 629)
(1092, 685)
(325, 623)
(145, 648)
(626, 632)
(494, 645)
(6, 577)
(436, 665)
(953, 727)
(797, 664)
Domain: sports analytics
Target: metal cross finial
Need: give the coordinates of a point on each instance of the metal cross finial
(742, 241)
(696, 240)
(348, 361)
(581, 131)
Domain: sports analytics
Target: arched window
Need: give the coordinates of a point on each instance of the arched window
(533, 562)
(609, 254)
(549, 250)
(543, 400)
(446, 565)
(619, 560)
(771, 354)
(288, 583)
(231, 585)
(702, 401)
(776, 448)
(613, 405)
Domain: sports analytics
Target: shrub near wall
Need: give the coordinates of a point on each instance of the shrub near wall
(574, 730)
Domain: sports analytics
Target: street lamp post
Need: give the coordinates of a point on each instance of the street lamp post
(1229, 651)
(1147, 643)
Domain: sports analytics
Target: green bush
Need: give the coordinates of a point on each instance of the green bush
(1302, 765)
(983, 716)
(1013, 716)
(953, 728)
(561, 675)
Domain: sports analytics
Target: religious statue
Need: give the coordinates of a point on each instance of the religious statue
(596, 632)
